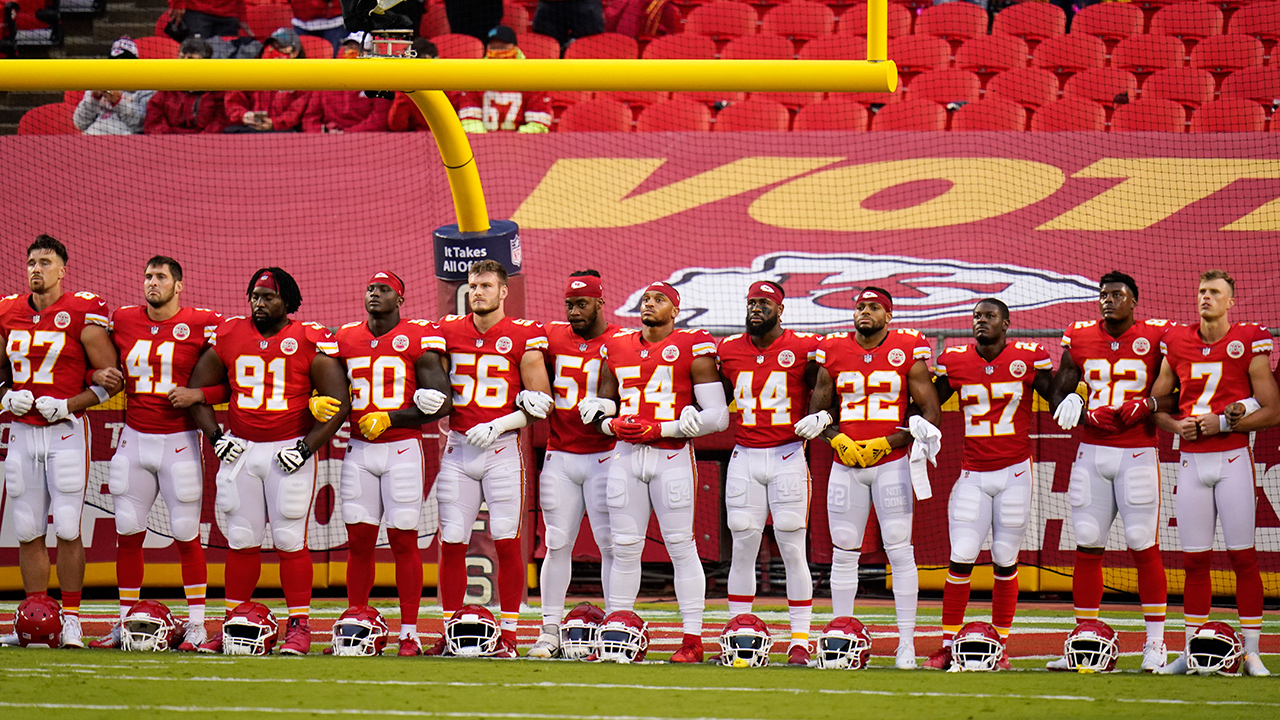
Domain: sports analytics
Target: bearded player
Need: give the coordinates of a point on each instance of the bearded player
(573, 476)
(268, 473)
(992, 497)
(392, 365)
(770, 372)
(158, 453)
(499, 378)
(871, 376)
(1117, 467)
(656, 375)
(57, 346)
(1217, 364)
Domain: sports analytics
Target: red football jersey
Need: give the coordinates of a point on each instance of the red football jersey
(654, 379)
(575, 374)
(505, 110)
(769, 390)
(873, 383)
(996, 399)
(1211, 377)
(1117, 370)
(157, 357)
(381, 370)
(44, 350)
(484, 368)
(270, 378)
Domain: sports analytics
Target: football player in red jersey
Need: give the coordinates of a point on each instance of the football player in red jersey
(159, 448)
(864, 375)
(1116, 468)
(656, 375)
(994, 380)
(770, 372)
(268, 474)
(573, 476)
(499, 378)
(57, 344)
(390, 363)
(1216, 365)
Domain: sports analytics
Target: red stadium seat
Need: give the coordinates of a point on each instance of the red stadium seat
(606, 46)
(684, 46)
(990, 114)
(1102, 85)
(1188, 21)
(316, 47)
(1188, 86)
(1070, 53)
(710, 97)
(434, 21)
(854, 21)
(1070, 114)
(266, 19)
(800, 20)
(1149, 116)
(911, 115)
(72, 97)
(1032, 21)
(759, 47)
(996, 52)
(456, 46)
(1261, 20)
(539, 47)
(1148, 53)
(793, 100)
(1028, 87)
(1229, 116)
(599, 115)
(836, 48)
(952, 21)
(674, 116)
(753, 115)
(635, 98)
(834, 114)
(722, 20)
(517, 18)
(1225, 53)
(52, 119)
(946, 86)
(155, 47)
(918, 53)
(1261, 85)
(561, 99)
(1112, 22)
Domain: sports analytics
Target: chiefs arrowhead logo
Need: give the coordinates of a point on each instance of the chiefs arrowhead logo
(577, 284)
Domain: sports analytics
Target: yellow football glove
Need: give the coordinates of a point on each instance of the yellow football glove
(472, 125)
(873, 450)
(374, 424)
(533, 127)
(847, 450)
(323, 407)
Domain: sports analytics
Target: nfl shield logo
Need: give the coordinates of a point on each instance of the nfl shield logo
(1115, 346)
(373, 343)
(988, 370)
(262, 345)
(155, 330)
(479, 342)
(866, 358)
(644, 353)
(1204, 351)
(759, 359)
(582, 347)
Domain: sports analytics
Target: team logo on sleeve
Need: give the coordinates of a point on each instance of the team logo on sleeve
(1235, 349)
(1141, 346)
(62, 320)
(181, 331)
(670, 353)
(786, 358)
(400, 343)
(1017, 368)
(503, 345)
(897, 356)
(288, 346)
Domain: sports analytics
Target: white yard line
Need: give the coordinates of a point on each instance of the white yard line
(339, 711)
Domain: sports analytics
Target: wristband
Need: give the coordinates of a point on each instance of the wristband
(101, 392)
(1223, 425)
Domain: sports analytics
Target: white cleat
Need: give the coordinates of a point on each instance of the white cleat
(548, 644)
(71, 633)
(906, 658)
(1253, 667)
(9, 640)
(1154, 655)
(1177, 667)
(1062, 664)
(193, 637)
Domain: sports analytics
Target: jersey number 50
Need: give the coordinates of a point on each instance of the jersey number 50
(383, 385)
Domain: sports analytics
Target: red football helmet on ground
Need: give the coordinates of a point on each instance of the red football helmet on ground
(149, 627)
(745, 642)
(39, 621)
(844, 644)
(471, 632)
(580, 631)
(977, 647)
(624, 637)
(360, 630)
(1215, 648)
(1091, 647)
(251, 629)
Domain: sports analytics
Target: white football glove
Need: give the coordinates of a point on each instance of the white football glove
(18, 402)
(927, 436)
(811, 426)
(227, 447)
(428, 401)
(53, 409)
(290, 459)
(483, 435)
(1068, 412)
(593, 409)
(690, 421)
(534, 402)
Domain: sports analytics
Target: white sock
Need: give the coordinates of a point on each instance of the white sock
(742, 571)
(605, 544)
(690, 584)
(1155, 630)
(557, 570)
(906, 591)
(624, 581)
(844, 581)
(799, 582)
(408, 631)
(1251, 639)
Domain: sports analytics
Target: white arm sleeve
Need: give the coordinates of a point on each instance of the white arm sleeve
(715, 411)
(512, 421)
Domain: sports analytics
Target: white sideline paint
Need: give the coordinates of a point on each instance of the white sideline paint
(337, 711)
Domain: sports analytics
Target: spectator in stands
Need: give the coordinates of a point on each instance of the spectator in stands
(473, 17)
(209, 18)
(114, 112)
(270, 110)
(404, 115)
(343, 111)
(184, 112)
(642, 19)
(321, 18)
(566, 20)
(526, 112)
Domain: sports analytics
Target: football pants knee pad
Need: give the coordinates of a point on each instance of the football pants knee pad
(184, 521)
(290, 537)
(740, 521)
(66, 519)
(1140, 536)
(403, 518)
(240, 535)
(895, 531)
(1004, 554)
(845, 535)
(1088, 533)
(788, 521)
(503, 528)
(128, 519)
(26, 527)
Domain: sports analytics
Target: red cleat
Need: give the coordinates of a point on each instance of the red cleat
(436, 650)
(409, 647)
(110, 641)
(939, 660)
(506, 649)
(213, 645)
(1003, 662)
(297, 638)
(798, 655)
(690, 652)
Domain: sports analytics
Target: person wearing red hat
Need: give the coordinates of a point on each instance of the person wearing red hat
(668, 390)
(771, 372)
(392, 364)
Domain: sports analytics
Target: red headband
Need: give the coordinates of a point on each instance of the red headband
(584, 286)
(666, 289)
(383, 277)
(767, 290)
(268, 281)
(876, 297)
